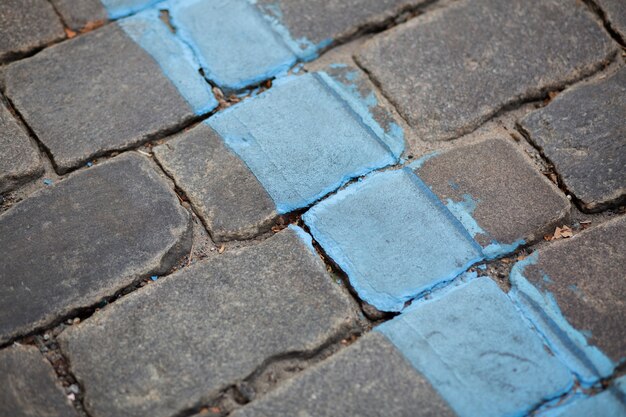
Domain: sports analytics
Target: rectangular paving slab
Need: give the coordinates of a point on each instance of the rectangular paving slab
(583, 133)
(450, 70)
(368, 379)
(103, 91)
(178, 342)
(477, 351)
(392, 237)
(496, 192)
(574, 292)
(29, 386)
(70, 245)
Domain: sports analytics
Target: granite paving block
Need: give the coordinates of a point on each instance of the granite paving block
(68, 246)
(496, 192)
(615, 13)
(178, 342)
(610, 402)
(475, 349)
(223, 191)
(25, 26)
(450, 70)
(392, 237)
(235, 44)
(102, 91)
(368, 378)
(309, 26)
(28, 385)
(582, 132)
(85, 14)
(574, 292)
(19, 160)
(302, 139)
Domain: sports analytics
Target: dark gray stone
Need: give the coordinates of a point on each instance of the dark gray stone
(26, 25)
(28, 386)
(496, 192)
(227, 196)
(583, 133)
(615, 13)
(450, 70)
(95, 93)
(19, 160)
(70, 245)
(368, 378)
(177, 343)
(80, 15)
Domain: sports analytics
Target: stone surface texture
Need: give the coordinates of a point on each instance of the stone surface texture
(19, 160)
(71, 245)
(223, 191)
(81, 15)
(583, 133)
(180, 341)
(450, 70)
(28, 386)
(363, 380)
(615, 13)
(26, 25)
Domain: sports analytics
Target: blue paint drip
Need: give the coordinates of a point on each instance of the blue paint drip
(154, 277)
(121, 8)
(477, 352)
(174, 58)
(587, 361)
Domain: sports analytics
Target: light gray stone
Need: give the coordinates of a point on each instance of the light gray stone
(81, 15)
(368, 378)
(70, 245)
(583, 133)
(176, 343)
(19, 160)
(93, 94)
(28, 386)
(26, 25)
(496, 192)
(227, 196)
(449, 70)
(615, 13)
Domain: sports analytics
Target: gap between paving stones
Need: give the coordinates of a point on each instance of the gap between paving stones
(600, 14)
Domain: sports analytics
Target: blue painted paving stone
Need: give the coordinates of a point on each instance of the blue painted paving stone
(496, 192)
(450, 70)
(615, 13)
(582, 132)
(223, 191)
(19, 159)
(610, 402)
(392, 237)
(474, 348)
(368, 379)
(25, 26)
(179, 342)
(574, 292)
(85, 14)
(302, 140)
(29, 386)
(102, 91)
(96, 232)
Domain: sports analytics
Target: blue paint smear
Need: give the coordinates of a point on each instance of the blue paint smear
(121, 8)
(392, 237)
(569, 344)
(418, 163)
(477, 352)
(174, 58)
(304, 236)
(235, 45)
(301, 140)
(48, 181)
(609, 403)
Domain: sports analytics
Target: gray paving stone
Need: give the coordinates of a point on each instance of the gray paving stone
(583, 133)
(95, 93)
(70, 245)
(26, 25)
(496, 192)
(615, 12)
(181, 340)
(450, 70)
(79, 15)
(28, 386)
(19, 160)
(369, 378)
(226, 195)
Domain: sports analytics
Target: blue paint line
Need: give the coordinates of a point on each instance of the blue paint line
(471, 344)
(233, 42)
(540, 307)
(121, 8)
(392, 237)
(304, 236)
(610, 403)
(418, 163)
(175, 59)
